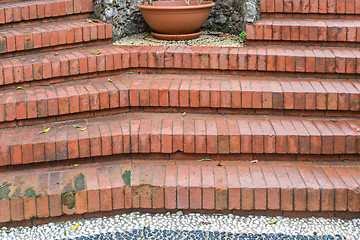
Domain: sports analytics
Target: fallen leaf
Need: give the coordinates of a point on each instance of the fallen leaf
(204, 223)
(346, 224)
(19, 87)
(225, 35)
(96, 53)
(219, 164)
(254, 161)
(183, 114)
(164, 164)
(75, 226)
(77, 126)
(205, 159)
(146, 34)
(273, 221)
(109, 80)
(47, 84)
(75, 165)
(44, 131)
(89, 21)
(83, 129)
(56, 54)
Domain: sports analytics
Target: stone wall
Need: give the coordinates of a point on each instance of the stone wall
(228, 16)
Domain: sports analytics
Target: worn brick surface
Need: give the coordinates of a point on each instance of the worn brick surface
(145, 91)
(230, 186)
(38, 10)
(153, 133)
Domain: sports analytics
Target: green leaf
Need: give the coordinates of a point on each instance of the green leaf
(96, 53)
(75, 226)
(89, 21)
(205, 159)
(75, 165)
(273, 221)
(83, 129)
(77, 126)
(19, 87)
(109, 80)
(45, 130)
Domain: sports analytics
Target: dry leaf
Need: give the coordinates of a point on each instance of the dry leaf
(273, 221)
(83, 129)
(96, 53)
(56, 54)
(75, 226)
(44, 131)
(205, 159)
(225, 35)
(183, 114)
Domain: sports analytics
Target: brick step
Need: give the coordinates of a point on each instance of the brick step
(274, 188)
(333, 33)
(22, 13)
(64, 65)
(169, 133)
(324, 8)
(161, 92)
(53, 36)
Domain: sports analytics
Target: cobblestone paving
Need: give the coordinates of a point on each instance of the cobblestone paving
(177, 225)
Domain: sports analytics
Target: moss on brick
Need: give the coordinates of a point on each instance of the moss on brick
(79, 182)
(126, 176)
(5, 190)
(68, 199)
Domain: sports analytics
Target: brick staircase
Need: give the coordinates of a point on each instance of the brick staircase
(271, 128)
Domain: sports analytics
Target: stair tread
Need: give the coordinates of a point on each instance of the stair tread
(177, 90)
(332, 30)
(64, 63)
(286, 186)
(170, 132)
(339, 7)
(52, 34)
(14, 12)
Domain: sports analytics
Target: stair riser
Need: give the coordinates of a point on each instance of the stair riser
(300, 43)
(20, 13)
(332, 63)
(340, 7)
(178, 93)
(309, 16)
(104, 112)
(57, 36)
(212, 137)
(308, 33)
(195, 187)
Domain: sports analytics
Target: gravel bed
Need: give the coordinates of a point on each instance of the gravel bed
(128, 226)
(214, 39)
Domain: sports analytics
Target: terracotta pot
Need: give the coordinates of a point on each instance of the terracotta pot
(175, 17)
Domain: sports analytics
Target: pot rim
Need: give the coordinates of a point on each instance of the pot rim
(205, 4)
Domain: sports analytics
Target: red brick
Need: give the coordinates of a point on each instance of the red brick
(170, 187)
(286, 191)
(247, 188)
(158, 187)
(183, 179)
(92, 186)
